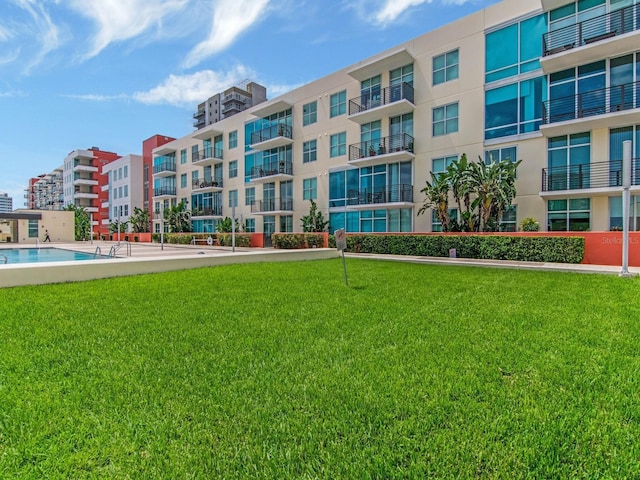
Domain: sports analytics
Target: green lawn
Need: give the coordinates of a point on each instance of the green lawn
(281, 371)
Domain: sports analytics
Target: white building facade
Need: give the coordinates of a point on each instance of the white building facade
(553, 83)
(124, 180)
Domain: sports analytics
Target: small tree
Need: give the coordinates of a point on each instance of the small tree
(225, 226)
(140, 221)
(437, 192)
(179, 218)
(314, 222)
(82, 222)
(113, 226)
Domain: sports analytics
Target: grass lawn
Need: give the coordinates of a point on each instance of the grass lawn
(281, 371)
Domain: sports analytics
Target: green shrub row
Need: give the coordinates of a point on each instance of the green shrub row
(493, 247)
(242, 239)
(297, 240)
(182, 238)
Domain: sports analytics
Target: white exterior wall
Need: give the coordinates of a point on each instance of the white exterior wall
(121, 181)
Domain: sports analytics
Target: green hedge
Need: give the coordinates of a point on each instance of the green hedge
(494, 247)
(297, 240)
(183, 238)
(242, 239)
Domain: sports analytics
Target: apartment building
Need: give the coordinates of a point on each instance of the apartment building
(45, 192)
(553, 83)
(83, 182)
(6, 203)
(234, 99)
(123, 189)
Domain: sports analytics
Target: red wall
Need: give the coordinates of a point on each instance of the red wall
(147, 165)
(100, 159)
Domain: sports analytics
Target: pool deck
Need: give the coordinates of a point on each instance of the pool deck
(143, 258)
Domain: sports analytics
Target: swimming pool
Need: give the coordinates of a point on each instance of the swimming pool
(40, 255)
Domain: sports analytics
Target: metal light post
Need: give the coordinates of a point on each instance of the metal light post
(626, 200)
(91, 227)
(161, 227)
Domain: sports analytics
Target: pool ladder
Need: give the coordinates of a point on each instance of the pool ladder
(114, 249)
(4, 258)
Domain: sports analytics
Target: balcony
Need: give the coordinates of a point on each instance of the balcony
(165, 191)
(604, 108)
(105, 205)
(389, 196)
(164, 169)
(388, 102)
(80, 167)
(605, 36)
(203, 212)
(395, 148)
(591, 179)
(272, 172)
(105, 188)
(87, 195)
(272, 206)
(274, 136)
(92, 209)
(85, 181)
(207, 157)
(206, 184)
(199, 123)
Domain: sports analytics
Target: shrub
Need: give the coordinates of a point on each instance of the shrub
(529, 224)
(493, 247)
(242, 239)
(297, 240)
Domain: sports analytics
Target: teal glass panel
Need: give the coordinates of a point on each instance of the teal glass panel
(336, 221)
(586, 4)
(405, 220)
(530, 30)
(557, 205)
(532, 95)
(501, 48)
(500, 74)
(530, 66)
(562, 12)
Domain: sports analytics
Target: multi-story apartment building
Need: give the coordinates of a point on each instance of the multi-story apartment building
(45, 192)
(83, 181)
(554, 83)
(123, 188)
(6, 203)
(234, 99)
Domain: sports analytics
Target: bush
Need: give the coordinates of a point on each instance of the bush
(491, 247)
(242, 239)
(297, 240)
(529, 224)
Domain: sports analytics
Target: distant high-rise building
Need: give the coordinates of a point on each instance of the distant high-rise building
(124, 189)
(234, 99)
(6, 203)
(45, 191)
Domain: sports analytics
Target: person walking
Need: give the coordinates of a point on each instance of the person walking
(46, 236)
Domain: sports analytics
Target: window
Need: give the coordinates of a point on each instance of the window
(120, 192)
(401, 75)
(338, 144)
(568, 215)
(183, 156)
(508, 222)
(120, 173)
(338, 104)
(442, 163)
(126, 210)
(514, 109)
(511, 51)
(309, 113)
(569, 159)
(310, 188)
(233, 139)
(33, 228)
(436, 225)
(445, 119)
(126, 171)
(233, 169)
(500, 154)
(615, 213)
(194, 153)
(250, 195)
(126, 191)
(309, 151)
(286, 223)
(233, 198)
(445, 67)
(250, 225)
(183, 180)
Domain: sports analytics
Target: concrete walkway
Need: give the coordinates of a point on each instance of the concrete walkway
(472, 262)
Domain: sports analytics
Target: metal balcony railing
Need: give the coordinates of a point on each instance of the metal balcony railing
(594, 102)
(164, 167)
(270, 169)
(592, 30)
(272, 205)
(375, 99)
(394, 143)
(388, 194)
(590, 175)
(206, 182)
(161, 191)
(269, 133)
(207, 211)
(207, 153)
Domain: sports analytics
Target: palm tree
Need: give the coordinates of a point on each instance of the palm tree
(140, 221)
(314, 222)
(461, 189)
(178, 217)
(437, 192)
(81, 220)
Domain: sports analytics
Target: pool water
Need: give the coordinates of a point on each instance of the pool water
(35, 255)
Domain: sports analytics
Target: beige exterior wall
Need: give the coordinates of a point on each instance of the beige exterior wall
(468, 36)
(59, 224)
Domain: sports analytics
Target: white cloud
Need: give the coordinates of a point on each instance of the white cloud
(5, 34)
(10, 93)
(119, 20)
(97, 97)
(392, 9)
(45, 30)
(189, 90)
(230, 19)
(9, 57)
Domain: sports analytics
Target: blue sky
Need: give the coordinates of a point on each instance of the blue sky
(110, 73)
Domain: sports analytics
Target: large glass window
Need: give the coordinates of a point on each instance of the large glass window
(617, 137)
(441, 164)
(33, 228)
(309, 151)
(392, 220)
(445, 119)
(233, 139)
(615, 213)
(401, 75)
(183, 156)
(183, 180)
(500, 154)
(249, 195)
(233, 169)
(569, 159)
(338, 104)
(338, 144)
(310, 188)
(445, 67)
(233, 198)
(569, 215)
(370, 91)
(309, 113)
